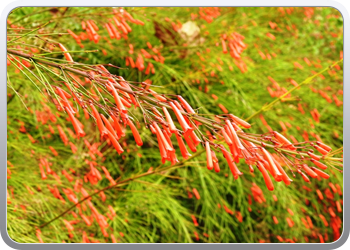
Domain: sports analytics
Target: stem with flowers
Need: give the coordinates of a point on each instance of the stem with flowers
(227, 128)
(96, 109)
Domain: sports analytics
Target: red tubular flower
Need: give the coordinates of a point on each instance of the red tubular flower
(274, 170)
(233, 147)
(43, 175)
(78, 130)
(140, 62)
(135, 133)
(109, 30)
(309, 221)
(226, 137)
(86, 220)
(131, 61)
(324, 146)
(309, 171)
(92, 22)
(224, 47)
(63, 136)
(66, 54)
(117, 126)
(148, 69)
(53, 151)
(113, 239)
(117, 99)
(116, 19)
(162, 150)
(111, 180)
(51, 129)
(157, 96)
(339, 209)
(146, 54)
(196, 194)
(105, 171)
(313, 156)
(331, 185)
(108, 125)
(91, 28)
(186, 105)
(188, 108)
(209, 156)
(240, 121)
(283, 140)
(235, 137)
(180, 118)
(223, 108)
(85, 193)
(64, 93)
(166, 132)
(215, 162)
(305, 223)
(162, 137)
(235, 171)
(190, 143)
(169, 120)
(179, 107)
(319, 164)
(194, 220)
(185, 154)
(320, 173)
(44, 162)
(324, 220)
(112, 210)
(123, 22)
(321, 150)
(115, 142)
(69, 178)
(86, 114)
(38, 235)
(290, 222)
(158, 115)
(153, 130)
(101, 127)
(196, 235)
(194, 138)
(115, 31)
(68, 225)
(266, 176)
(306, 179)
(285, 177)
(173, 158)
(126, 85)
(125, 102)
(31, 138)
(103, 230)
(103, 196)
(65, 101)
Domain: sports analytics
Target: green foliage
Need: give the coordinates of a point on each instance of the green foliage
(156, 208)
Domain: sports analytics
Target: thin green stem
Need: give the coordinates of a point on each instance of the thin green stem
(123, 182)
(28, 33)
(306, 81)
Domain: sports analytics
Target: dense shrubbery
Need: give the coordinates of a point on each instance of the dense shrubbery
(96, 94)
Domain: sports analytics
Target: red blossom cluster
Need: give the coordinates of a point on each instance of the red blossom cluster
(230, 129)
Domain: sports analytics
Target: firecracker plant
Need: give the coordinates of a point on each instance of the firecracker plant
(106, 117)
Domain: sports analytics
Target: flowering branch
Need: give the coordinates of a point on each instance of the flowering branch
(108, 99)
(227, 128)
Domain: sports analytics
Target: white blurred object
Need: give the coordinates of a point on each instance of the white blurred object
(190, 32)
